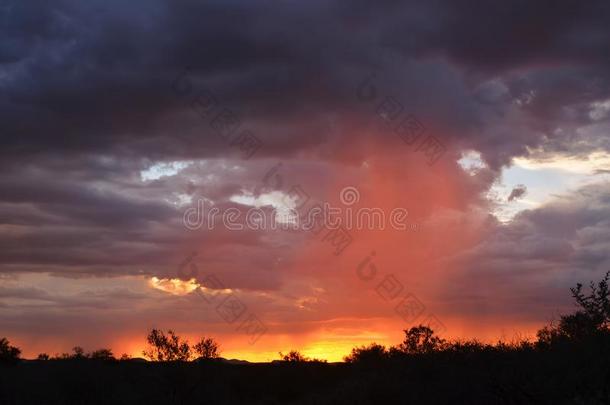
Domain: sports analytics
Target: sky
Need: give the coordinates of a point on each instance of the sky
(479, 131)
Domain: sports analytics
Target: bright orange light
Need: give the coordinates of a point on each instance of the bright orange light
(173, 285)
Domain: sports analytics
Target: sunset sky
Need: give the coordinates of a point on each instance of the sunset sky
(488, 124)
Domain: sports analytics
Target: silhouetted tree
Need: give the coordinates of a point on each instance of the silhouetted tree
(125, 357)
(207, 348)
(367, 354)
(466, 346)
(596, 305)
(63, 356)
(43, 356)
(8, 354)
(166, 348)
(293, 356)
(101, 354)
(590, 320)
(79, 353)
(420, 339)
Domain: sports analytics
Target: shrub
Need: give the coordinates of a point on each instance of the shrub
(207, 348)
(293, 356)
(43, 356)
(8, 354)
(421, 340)
(591, 320)
(168, 347)
(79, 353)
(367, 354)
(101, 354)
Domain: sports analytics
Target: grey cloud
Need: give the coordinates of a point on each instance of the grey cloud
(539, 255)
(517, 192)
(86, 102)
(97, 77)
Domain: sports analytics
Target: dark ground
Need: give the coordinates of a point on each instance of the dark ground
(567, 376)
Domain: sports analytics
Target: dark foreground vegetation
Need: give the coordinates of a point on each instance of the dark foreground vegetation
(569, 363)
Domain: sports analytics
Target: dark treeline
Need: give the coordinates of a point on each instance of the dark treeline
(568, 363)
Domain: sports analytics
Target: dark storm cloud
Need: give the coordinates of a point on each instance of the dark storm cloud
(520, 33)
(87, 102)
(97, 76)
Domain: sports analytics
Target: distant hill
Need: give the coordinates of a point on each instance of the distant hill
(232, 361)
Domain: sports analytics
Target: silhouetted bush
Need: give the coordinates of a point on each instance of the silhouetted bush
(293, 356)
(590, 322)
(43, 356)
(207, 348)
(373, 353)
(466, 346)
(101, 354)
(421, 340)
(8, 354)
(79, 353)
(166, 348)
